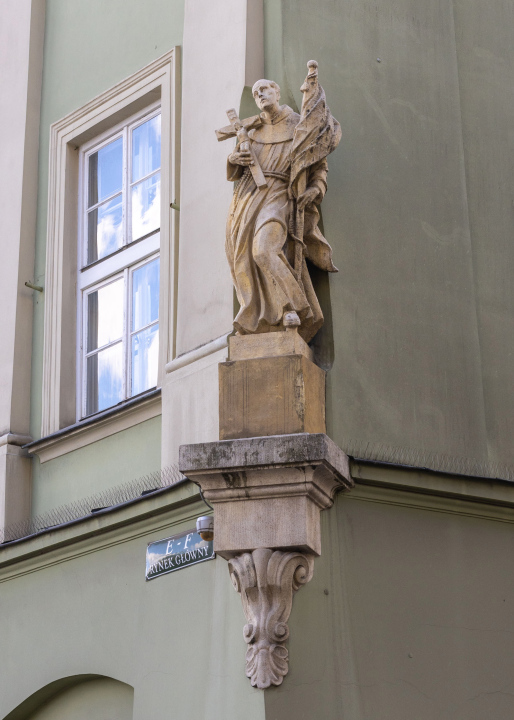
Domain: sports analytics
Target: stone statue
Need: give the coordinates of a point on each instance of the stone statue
(281, 168)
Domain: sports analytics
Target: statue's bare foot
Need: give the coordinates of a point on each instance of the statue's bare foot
(291, 319)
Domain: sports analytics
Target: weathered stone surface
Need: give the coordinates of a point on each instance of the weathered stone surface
(268, 491)
(267, 581)
(280, 163)
(288, 342)
(271, 396)
(287, 522)
(257, 452)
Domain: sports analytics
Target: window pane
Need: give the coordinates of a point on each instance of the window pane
(145, 295)
(145, 354)
(105, 315)
(146, 206)
(146, 148)
(105, 231)
(104, 379)
(105, 172)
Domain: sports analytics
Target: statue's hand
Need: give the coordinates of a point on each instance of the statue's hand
(308, 197)
(241, 158)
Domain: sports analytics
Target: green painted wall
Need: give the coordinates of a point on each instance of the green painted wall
(86, 609)
(409, 615)
(89, 46)
(118, 459)
(419, 213)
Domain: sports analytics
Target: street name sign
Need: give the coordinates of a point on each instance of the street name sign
(176, 553)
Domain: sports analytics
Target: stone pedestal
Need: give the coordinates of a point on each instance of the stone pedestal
(268, 491)
(268, 478)
(270, 386)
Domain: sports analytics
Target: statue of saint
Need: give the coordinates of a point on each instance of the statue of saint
(281, 168)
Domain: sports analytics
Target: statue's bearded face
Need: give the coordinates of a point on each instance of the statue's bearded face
(266, 95)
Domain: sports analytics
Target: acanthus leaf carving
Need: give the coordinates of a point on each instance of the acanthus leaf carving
(267, 580)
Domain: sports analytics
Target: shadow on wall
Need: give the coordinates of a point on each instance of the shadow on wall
(323, 342)
(80, 697)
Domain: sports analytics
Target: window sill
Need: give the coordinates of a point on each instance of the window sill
(97, 427)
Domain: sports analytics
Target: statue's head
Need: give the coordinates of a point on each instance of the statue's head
(266, 94)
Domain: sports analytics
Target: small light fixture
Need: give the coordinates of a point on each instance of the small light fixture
(205, 527)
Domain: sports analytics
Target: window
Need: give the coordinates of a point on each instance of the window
(107, 178)
(119, 242)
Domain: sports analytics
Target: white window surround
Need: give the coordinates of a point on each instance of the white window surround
(157, 82)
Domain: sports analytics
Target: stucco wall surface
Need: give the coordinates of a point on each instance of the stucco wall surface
(86, 609)
(409, 615)
(419, 213)
(120, 458)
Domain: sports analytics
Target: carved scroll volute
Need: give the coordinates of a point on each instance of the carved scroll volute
(267, 580)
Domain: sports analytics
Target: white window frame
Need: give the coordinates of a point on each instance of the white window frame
(120, 263)
(130, 306)
(158, 82)
(126, 273)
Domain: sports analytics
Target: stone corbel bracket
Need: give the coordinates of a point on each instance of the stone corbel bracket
(266, 581)
(267, 494)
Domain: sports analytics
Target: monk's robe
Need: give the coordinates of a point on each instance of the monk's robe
(262, 262)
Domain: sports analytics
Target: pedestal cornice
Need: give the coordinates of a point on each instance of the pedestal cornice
(268, 491)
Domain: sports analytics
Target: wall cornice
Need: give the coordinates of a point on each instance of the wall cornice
(438, 492)
(155, 513)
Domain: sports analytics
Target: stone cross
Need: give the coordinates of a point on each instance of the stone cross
(239, 128)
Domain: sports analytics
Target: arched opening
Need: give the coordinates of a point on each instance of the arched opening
(80, 697)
